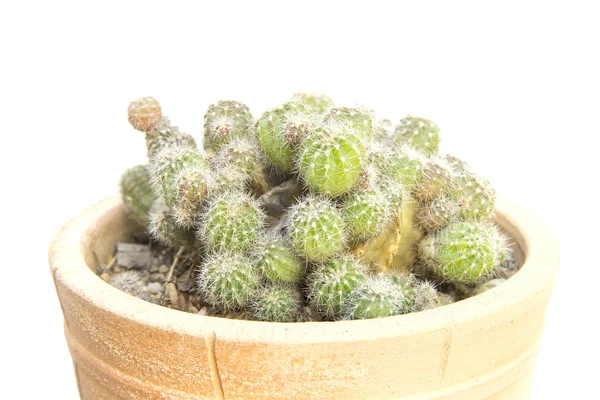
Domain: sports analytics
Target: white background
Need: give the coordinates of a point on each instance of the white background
(514, 86)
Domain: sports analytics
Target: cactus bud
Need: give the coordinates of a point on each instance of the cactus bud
(330, 285)
(277, 260)
(420, 133)
(318, 102)
(225, 120)
(464, 252)
(316, 229)
(137, 194)
(231, 221)
(378, 296)
(277, 303)
(144, 113)
(331, 160)
(228, 280)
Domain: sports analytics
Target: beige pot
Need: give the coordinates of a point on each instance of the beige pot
(125, 348)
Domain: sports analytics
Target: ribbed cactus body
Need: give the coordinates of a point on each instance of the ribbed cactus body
(330, 285)
(358, 119)
(231, 221)
(404, 165)
(225, 120)
(241, 154)
(277, 260)
(277, 303)
(280, 132)
(144, 113)
(436, 179)
(316, 229)
(464, 252)
(228, 280)
(420, 133)
(475, 196)
(331, 160)
(366, 213)
(375, 297)
(164, 135)
(318, 102)
(163, 227)
(137, 194)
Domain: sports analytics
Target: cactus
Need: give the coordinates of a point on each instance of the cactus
(224, 121)
(164, 135)
(404, 165)
(377, 296)
(228, 280)
(231, 221)
(316, 229)
(366, 213)
(330, 285)
(331, 160)
(474, 195)
(436, 213)
(137, 194)
(164, 228)
(464, 252)
(318, 102)
(436, 179)
(144, 113)
(281, 131)
(276, 303)
(277, 259)
(420, 133)
(383, 129)
(358, 119)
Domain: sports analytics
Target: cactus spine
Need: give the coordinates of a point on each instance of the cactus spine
(420, 133)
(376, 296)
(276, 303)
(366, 213)
(225, 120)
(137, 194)
(277, 259)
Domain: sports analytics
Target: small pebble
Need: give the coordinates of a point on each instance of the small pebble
(154, 287)
(105, 276)
(163, 269)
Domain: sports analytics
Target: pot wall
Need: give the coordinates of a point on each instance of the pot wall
(125, 348)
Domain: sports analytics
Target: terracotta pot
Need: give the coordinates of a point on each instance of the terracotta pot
(125, 348)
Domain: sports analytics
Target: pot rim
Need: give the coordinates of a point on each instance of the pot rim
(540, 248)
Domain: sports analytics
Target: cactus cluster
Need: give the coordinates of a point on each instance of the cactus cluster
(379, 223)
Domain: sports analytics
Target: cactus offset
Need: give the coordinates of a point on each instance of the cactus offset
(434, 214)
(420, 133)
(358, 120)
(231, 221)
(164, 135)
(366, 213)
(137, 194)
(144, 113)
(318, 102)
(225, 120)
(316, 229)
(164, 228)
(377, 296)
(277, 303)
(330, 285)
(277, 259)
(228, 280)
(464, 252)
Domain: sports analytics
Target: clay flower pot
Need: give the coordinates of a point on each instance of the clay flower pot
(125, 348)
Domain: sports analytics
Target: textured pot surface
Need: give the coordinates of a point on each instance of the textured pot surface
(125, 348)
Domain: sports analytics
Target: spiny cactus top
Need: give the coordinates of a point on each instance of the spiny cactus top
(226, 120)
(315, 209)
(331, 160)
(421, 133)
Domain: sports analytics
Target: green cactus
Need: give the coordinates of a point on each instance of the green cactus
(144, 113)
(277, 259)
(137, 194)
(225, 120)
(318, 102)
(475, 196)
(377, 296)
(404, 165)
(464, 252)
(277, 303)
(434, 214)
(164, 228)
(420, 133)
(366, 213)
(164, 135)
(228, 280)
(359, 120)
(316, 229)
(436, 179)
(231, 221)
(383, 129)
(331, 160)
(280, 132)
(330, 285)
